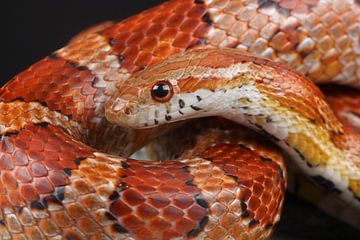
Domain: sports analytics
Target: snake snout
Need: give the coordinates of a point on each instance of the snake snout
(119, 111)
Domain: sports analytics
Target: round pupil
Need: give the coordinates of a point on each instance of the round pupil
(161, 90)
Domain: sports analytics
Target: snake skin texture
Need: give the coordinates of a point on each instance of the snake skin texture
(58, 180)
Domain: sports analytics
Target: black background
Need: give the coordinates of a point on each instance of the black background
(30, 30)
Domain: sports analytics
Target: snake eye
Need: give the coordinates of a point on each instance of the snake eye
(162, 91)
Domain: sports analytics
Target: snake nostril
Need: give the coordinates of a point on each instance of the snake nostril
(127, 110)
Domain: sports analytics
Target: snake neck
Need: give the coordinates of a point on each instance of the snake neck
(323, 153)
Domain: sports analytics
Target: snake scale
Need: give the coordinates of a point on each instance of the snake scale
(62, 122)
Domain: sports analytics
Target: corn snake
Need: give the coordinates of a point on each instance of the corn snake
(83, 100)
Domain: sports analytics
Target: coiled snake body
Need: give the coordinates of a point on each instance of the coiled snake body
(227, 183)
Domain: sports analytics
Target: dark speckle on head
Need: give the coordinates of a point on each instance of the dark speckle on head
(167, 117)
(199, 98)
(195, 108)
(181, 103)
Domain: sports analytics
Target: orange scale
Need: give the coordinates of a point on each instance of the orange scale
(143, 59)
(91, 201)
(196, 213)
(261, 213)
(167, 189)
(132, 197)
(175, 20)
(183, 8)
(69, 164)
(144, 233)
(189, 25)
(245, 194)
(197, 11)
(168, 34)
(133, 181)
(172, 213)
(5, 204)
(121, 36)
(130, 54)
(132, 222)
(159, 224)
(183, 201)
(230, 186)
(14, 198)
(268, 184)
(25, 135)
(183, 177)
(8, 180)
(23, 175)
(212, 188)
(171, 234)
(154, 31)
(149, 188)
(273, 204)
(226, 197)
(158, 200)
(58, 178)
(6, 162)
(20, 158)
(173, 182)
(146, 211)
(151, 183)
(185, 225)
(141, 26)
(66, 154)
(43, 186)
(28, 192)
(52, 165)
(2, 189)
(135, 38)
(82, 187)
(36, 145)
(160, 18)
(120, 209)
(51, 155)
(87, 225)
(189, 189)
(246, 180)
(163, 176)
(62, 219)
(75, 210)
(150, 42)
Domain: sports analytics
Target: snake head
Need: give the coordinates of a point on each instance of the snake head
(166, 92)
(140, 105)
